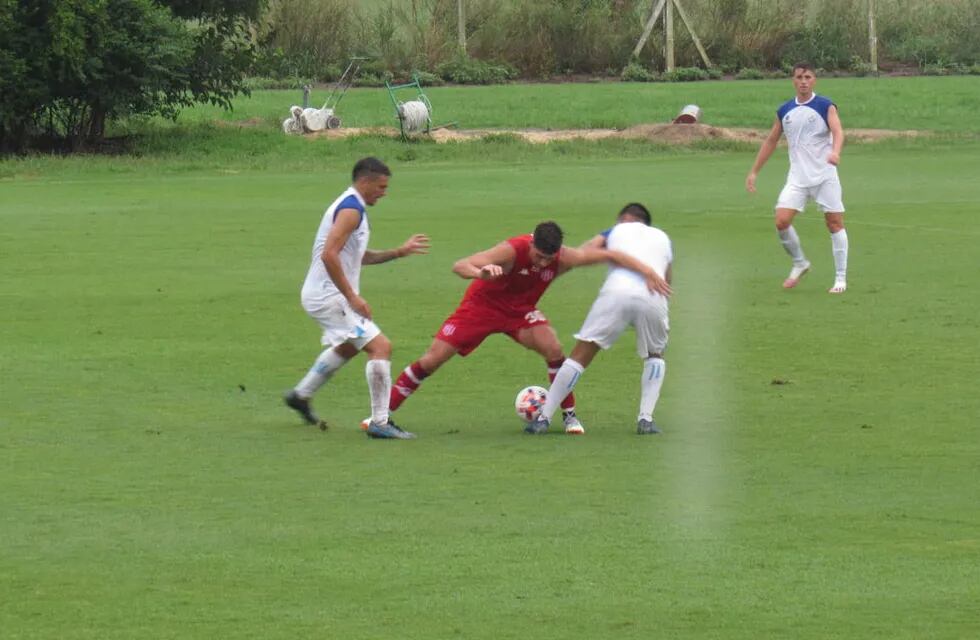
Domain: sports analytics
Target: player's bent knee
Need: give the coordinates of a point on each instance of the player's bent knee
(379, 348)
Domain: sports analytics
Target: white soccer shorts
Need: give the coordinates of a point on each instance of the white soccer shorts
(340, 323)
(827, 195)
(611, 313)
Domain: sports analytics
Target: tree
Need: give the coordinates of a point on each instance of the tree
(69, 66)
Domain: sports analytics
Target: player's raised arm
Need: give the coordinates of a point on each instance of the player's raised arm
(346, 222)
(416, 244)
(486, 265)
(765, 151)
(837, 132)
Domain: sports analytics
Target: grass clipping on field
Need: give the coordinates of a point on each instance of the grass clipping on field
(679, 134)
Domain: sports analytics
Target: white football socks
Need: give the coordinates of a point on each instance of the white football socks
(565, 380)
(379, 384)
(791, 242)
(839, 242)
(654, 370)
(323, 369)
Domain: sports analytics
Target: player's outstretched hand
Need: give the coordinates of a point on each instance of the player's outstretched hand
(360, 305)
(490, 271)
(418, 243)
(833, 158)
(656, 284)
(750, 183)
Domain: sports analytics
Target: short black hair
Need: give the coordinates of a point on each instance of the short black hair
(806, 66)
(636, 210)
(548, 237)
(368, 168)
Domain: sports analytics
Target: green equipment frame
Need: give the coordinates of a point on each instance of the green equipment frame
(419, 95)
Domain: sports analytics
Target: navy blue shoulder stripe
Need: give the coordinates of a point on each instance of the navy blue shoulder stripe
(350, 202)
(605, 234)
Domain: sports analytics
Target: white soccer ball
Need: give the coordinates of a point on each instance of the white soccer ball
(529, 402)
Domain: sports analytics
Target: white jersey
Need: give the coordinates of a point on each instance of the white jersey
(649, 245)
(810, 141)
(318, 285)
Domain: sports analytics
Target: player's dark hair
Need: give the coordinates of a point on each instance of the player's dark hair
(548, 237)
(806, 66)
(636, 210)
(369, 167)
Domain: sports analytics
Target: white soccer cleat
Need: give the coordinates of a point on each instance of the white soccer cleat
(840, 286)
(795, 275)
(572, 425)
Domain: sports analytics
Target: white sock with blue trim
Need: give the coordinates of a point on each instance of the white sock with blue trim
(654, 370)
(565, 380)
(322, 370)
(378, 374)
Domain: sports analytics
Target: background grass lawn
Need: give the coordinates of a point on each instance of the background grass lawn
(154, 486)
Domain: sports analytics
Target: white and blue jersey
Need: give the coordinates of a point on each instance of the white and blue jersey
(810, 141)
(318, 285)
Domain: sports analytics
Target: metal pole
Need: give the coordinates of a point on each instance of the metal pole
(669, 30)
(872, 36)
(461, 15)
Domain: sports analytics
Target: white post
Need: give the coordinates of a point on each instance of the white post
(461, 25)
(872, 36)
(694, 36)
(648, 29)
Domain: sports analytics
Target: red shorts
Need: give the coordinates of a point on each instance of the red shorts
(470, 325)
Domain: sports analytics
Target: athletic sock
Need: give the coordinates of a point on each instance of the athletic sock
(568, 404)
(791, 242)
(323, 369)
(653, 378)
(565, 380)
(406, 384)
(839, 242)
(379, 384)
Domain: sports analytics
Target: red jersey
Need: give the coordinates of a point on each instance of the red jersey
(518, 291)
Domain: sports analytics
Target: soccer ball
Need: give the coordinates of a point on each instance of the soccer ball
(529, 402)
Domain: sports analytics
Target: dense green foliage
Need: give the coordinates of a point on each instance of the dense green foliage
(67, 67)
(548, 37)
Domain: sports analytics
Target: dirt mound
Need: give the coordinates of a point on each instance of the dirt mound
(679, 134)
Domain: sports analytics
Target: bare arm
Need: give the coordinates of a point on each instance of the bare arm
(596, 242)
(486, 264)
(837, 131)
(346, 221)
(571, 258)
(418, 243)
(765, 151)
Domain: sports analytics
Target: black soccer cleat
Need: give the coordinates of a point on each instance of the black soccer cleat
(302, 407)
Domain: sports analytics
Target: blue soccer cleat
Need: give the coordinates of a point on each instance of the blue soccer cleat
(388, 431)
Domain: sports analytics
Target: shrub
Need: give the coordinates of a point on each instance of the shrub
(636, 72)
(685, 74)
(464, 70)
(748, 73)
(861, 68)
(427, 79)
(715, 73)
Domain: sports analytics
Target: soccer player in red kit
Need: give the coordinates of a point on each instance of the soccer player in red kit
(508, 281)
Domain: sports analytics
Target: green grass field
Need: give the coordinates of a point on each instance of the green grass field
(154, 486)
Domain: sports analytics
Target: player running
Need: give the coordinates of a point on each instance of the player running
(331, 296)
(623, 300)
(816, 137)
(508, 281)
